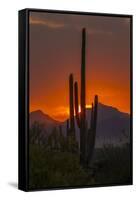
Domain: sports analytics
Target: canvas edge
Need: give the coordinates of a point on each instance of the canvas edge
(22, 98)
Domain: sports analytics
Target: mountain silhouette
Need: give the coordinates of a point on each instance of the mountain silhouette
(43, 118)
(113, 126)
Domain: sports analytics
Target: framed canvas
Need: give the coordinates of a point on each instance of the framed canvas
(75, 99)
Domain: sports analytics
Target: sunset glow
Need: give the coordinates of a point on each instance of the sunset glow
(55, 52)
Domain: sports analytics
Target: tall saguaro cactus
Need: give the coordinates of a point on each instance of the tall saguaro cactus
(87, 135)
(83, 101)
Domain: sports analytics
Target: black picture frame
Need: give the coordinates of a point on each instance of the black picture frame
(23, 136)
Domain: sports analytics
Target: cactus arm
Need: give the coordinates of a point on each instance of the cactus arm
(92, 131)
(76, 104)
(71, 111)
(92, 116)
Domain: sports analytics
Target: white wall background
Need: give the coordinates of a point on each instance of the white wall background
(9, 98)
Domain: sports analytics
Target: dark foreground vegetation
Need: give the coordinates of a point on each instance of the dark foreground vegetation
(52, 166)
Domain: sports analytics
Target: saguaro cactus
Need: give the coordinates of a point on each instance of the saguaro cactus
(94, 123)
(71, 103)
(70, 126)
(92, 131)
(77, 104)
(87, 135)
(83, 101)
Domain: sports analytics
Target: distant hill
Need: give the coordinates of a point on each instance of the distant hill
(113, 126)
(43, 118)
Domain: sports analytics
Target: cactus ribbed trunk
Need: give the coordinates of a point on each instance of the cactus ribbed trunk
(92, 131)
(71, 102)
(83, 102)
(95, 112)
(92, 117)
(77, 104)
(87, 134)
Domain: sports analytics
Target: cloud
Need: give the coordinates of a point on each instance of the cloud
(45, 22)
(71, 22)
(57, 24)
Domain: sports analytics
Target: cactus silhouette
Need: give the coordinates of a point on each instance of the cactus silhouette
(92, 131)
(72, 145)
(71, 103)
(87, 134)
(76, 104)
(83, 130)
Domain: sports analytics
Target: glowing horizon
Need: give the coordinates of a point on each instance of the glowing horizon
(55, 52)
(62, 116)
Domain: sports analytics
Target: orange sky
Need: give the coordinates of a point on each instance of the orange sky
(55, 45)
